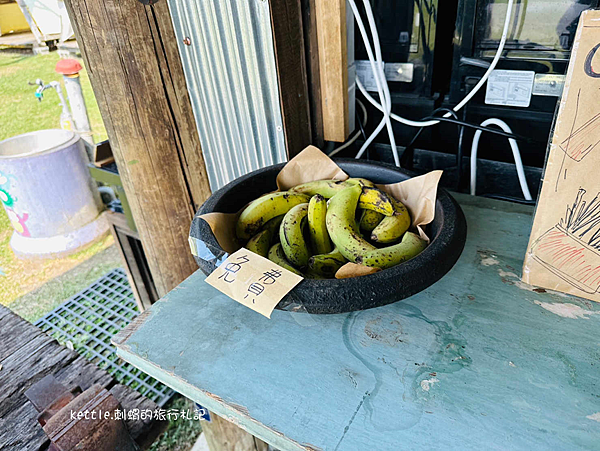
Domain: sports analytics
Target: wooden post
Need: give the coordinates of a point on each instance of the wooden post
(333, 67)
(288, 42)
(313, 78)
(133, 62)
(132, 58)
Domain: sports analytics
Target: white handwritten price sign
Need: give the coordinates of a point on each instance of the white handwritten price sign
(253, 281)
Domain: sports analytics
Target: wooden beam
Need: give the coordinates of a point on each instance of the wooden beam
(288, 40)
(133, 62)
(333, 68)
(313, 77)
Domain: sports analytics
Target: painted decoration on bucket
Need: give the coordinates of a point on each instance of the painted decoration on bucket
(17, 220)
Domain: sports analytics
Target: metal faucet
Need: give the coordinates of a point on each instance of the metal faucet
(66, 119)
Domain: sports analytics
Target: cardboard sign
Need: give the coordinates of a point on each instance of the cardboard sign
(564, 247)
(253, 281)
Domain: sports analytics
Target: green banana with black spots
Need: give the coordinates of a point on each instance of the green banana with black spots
(317, 225)
(291, 235)
(391, 228)
(360, 181)
(276, 255)
(327, 264)
(370, 219)
(341, 224)
(386, 257)
(272, 226)
(265, 208)
(326, 188)
(371, 198)
(260, 243)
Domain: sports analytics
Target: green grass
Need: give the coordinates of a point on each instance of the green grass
(33, 287)
(21, 112)
(181, 434)
(35, 304)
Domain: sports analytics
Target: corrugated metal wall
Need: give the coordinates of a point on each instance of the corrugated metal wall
(232, 80)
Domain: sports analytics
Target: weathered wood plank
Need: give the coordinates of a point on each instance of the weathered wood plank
(476, 359)
(333, 68)
(31, 363)
(288, 40)
(11, 342)
(223, 435)
(28, 355)
(133, 62)
(84, 374)
(20, 430)
(184, 122)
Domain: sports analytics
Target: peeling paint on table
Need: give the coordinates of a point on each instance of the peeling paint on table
(478, 360)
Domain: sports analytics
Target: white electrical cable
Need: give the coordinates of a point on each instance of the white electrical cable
(462, 103)
(515, 150)
(378, 81)
(386, 89)
(357, 134)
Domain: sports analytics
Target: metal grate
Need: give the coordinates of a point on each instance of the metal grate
(88, 321)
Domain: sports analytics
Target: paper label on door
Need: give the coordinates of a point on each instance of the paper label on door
(253, 281)
(510, 88)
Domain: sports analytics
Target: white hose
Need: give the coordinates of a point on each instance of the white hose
(516, 154)
(377, 68)
(357, 134)
(461, 104)
(386, 89)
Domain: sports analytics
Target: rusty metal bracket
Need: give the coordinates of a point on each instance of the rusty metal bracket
(49, 396)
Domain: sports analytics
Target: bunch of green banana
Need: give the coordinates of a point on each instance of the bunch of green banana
(303, 232)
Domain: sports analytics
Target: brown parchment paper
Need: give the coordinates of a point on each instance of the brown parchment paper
(309, 165)
(223, 227)
(418, 194)
(559, 255)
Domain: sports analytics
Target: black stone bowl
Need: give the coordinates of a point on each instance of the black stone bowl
(448, 233)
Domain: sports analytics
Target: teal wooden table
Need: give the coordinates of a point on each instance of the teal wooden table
(478, 360)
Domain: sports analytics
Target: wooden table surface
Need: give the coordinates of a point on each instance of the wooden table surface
(479, 359)
(26, 356)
